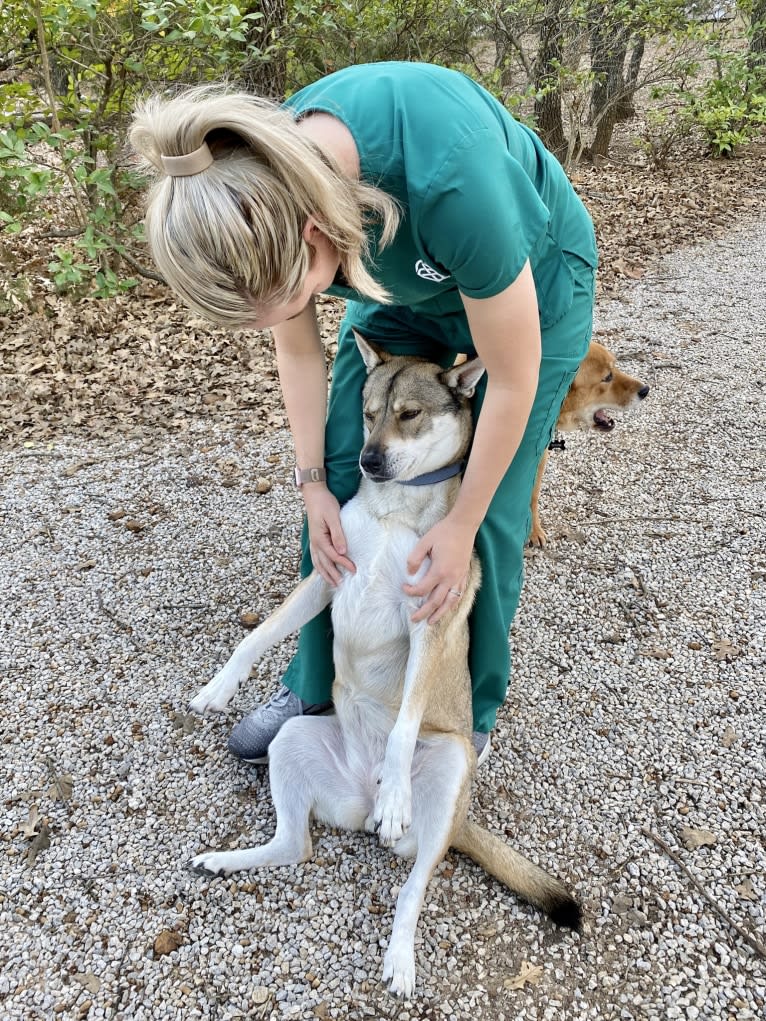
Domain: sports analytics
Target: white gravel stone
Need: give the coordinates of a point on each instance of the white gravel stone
(639, 646)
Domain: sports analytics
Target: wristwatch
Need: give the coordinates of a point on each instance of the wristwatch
(304, 475)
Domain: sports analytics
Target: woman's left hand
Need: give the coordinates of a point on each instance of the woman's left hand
(449, 544)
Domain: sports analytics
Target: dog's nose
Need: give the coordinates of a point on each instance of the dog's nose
(643, 392)
(372, 460)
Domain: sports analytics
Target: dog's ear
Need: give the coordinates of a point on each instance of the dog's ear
(372, 355)
(464, 378)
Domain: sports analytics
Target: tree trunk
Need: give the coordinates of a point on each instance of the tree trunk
(758, 37)
(625, 107)
(550, 123)
(609, 46)
(266, 76)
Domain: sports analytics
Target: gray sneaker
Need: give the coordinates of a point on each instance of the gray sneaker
(252, 736)
(482, 747)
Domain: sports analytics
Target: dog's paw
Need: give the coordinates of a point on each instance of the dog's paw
(216, 694)
(537, 536)
(393, 812)
(213, 863)
(399, 970)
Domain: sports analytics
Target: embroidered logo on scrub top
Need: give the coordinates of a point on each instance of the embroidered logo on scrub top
(427, 272)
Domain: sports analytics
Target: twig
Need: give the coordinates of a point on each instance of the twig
(142, 270)
(115, 619)
(759, 947)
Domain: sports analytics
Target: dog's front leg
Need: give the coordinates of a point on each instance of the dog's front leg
(302, 605)
(393, 805)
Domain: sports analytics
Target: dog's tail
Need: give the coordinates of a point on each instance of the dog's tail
(518, 874)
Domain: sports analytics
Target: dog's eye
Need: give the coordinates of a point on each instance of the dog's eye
(406, 416)
(607, 378)
(368, 416)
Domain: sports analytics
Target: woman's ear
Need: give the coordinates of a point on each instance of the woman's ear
(310, 231)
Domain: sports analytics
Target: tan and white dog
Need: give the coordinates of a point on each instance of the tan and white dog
(598, 386)
(396, 757)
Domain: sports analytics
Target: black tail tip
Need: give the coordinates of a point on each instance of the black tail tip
(567, 913)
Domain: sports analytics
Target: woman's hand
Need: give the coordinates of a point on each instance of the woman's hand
(327, 542)
(449, 545)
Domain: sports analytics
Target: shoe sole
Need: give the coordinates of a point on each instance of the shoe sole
(484, 754)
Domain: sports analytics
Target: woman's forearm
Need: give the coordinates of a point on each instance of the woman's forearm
(303, 378)
(499, 430)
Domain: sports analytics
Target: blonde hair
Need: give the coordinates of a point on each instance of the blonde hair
(230, 239)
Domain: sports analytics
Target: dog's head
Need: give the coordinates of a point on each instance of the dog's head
(598, 386)
(417, 416)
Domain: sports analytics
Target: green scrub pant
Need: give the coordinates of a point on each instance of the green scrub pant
(502, 536)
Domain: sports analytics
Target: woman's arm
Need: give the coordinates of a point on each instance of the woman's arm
(303, 378)
(506, 334)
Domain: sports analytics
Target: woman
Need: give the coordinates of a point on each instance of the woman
(411, 192)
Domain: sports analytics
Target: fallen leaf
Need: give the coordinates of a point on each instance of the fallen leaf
(746, 890)
(185, 722)
(40, 843)
(697, 838)
(88, 981)
(134, 526)
(262, 485)
(61, 788)
(529, 974)
(729, 737)
(724, 651)
(29, 828)
(655, 653)
(248, 619)
(167, 941)
(116, 515)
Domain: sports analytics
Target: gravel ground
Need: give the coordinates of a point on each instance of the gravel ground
(636, 708)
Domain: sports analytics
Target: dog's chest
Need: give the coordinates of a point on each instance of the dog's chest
(370, 606)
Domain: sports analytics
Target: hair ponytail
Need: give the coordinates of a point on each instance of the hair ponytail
(230, 239)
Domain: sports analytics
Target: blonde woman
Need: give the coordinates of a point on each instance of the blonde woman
(411, 192)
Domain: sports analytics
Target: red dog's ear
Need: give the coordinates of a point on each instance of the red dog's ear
(464, 378)
(372, 355)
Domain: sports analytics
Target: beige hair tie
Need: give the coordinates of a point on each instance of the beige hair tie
(189, 164)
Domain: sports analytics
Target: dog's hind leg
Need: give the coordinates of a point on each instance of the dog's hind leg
(302, 605)
(308, 778)
(440, 785)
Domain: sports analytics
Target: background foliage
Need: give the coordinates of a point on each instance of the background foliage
(682, 73)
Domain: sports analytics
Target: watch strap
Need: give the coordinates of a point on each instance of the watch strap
(304, 475)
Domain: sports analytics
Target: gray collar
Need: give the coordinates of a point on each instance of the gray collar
(440, 475)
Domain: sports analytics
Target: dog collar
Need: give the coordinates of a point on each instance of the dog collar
(440, 475)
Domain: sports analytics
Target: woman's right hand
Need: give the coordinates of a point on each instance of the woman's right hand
(327, 543)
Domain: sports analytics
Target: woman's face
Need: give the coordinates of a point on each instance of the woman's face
(324, 266)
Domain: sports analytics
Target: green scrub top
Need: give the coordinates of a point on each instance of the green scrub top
(478, 191)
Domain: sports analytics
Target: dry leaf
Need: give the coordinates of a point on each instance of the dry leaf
(167, 941)
(29, 828)
(89, 981)
(116, 515)
(134, 526)
(262, 485)
(729, 737)
(248, 619)
(746, 890)
(61, 788)
(185, 722)
(529, 974)
(724, 651)
(655, 653)
(697, 838)
(40, 843)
